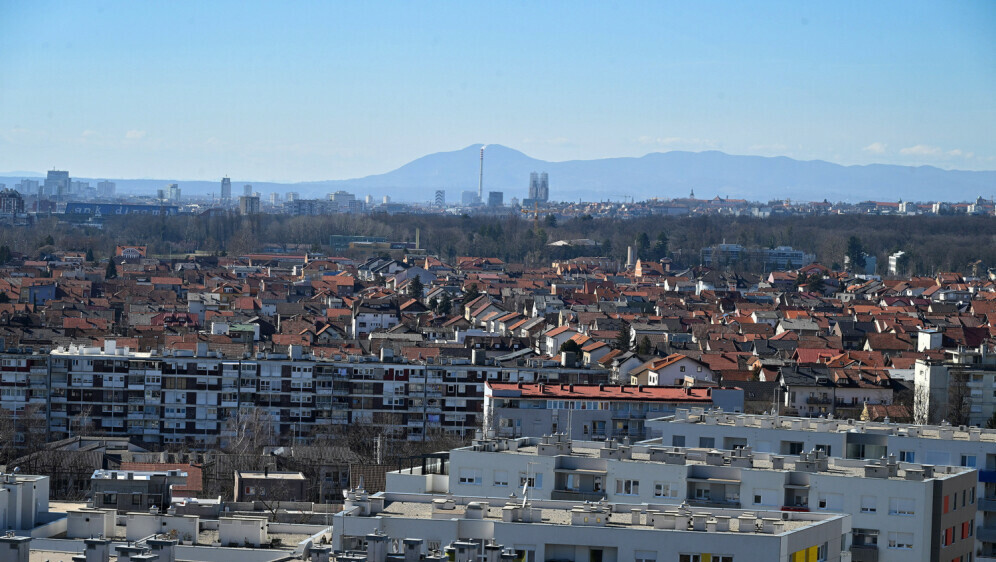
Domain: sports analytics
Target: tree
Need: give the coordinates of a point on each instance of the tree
(991, 422)
(550, 221)
(4, 298)
(470, 294)
(815, 283)
(112, 270)
(642, 244)
(89, 255)
(623, 337)
(855, 252)
(445, 304)
(660, 246)
(433, 304)
(644, 347)
(570, 346)
(5, 254)
(415, 287)
(959, 405)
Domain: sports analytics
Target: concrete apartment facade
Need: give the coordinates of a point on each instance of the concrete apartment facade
(899, 511)
(545, 530)
(937, 445)
(592, 411)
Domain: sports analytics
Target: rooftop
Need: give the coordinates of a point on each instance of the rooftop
(830, 425)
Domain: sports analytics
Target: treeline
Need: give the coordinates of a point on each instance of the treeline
(935, 243)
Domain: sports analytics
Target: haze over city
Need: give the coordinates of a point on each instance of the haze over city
(316, 91)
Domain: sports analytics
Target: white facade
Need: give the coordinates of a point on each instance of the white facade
(892, 501)
(925, 444)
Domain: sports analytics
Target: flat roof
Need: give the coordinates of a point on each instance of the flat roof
(825, 425)
(601, 392)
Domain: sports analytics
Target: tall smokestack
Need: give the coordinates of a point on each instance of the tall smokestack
(480, 180)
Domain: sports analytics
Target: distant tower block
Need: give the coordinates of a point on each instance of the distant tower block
(440, 198)
(226, 189)
(630, 257)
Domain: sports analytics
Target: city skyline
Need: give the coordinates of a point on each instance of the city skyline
(327, 91)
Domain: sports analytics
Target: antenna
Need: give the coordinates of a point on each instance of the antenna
(480, 179)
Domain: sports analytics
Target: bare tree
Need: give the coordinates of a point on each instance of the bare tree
(249, 431)
(959, 403)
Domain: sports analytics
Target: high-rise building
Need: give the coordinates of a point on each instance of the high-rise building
(469, 199)
(274, 198)
(539, 187)
(226, 190)
(440, 198)
(57, 184)
(105, 189)
(495, 198)
(173, 192)
(247, 190)
(248, 205)
(292, 196)
(27, 187)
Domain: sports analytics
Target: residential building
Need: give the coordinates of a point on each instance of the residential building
(106, 189)
(56, 184)
(961, 390)
(440, 198)
(248, 205)
(270, 486)
(536, 530)
(591, 412)
(134, 490)
(226, 190)
(937, 445)
(495, 198)
(898, 511)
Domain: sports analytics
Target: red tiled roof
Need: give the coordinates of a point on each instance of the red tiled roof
(606, 392)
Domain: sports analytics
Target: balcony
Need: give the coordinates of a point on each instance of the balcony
(987, 504)
(987, 476)
(864, 553)
(985, 534)
(576, 495)
(818, 400)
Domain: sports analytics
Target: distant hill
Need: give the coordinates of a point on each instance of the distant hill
(664, 175)
(671, 174)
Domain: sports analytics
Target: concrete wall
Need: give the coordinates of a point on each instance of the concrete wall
(141, 525)
(238, 531)
(86, 523)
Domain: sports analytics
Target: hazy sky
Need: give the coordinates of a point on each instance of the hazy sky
(291, 91)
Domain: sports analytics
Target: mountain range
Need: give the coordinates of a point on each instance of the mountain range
(663, 175)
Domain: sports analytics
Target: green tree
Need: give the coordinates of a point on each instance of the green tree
(570, 346)
(855, 252)
(660, 246)
(89, 255)
(416, 287)
(644, 347)
(815, 283)
(623, 337)
(4, 298)
(112, 270)
(47, 241)
(433, 304)
(445, 304)
(5, 254)
(642, 244)
(550, 221)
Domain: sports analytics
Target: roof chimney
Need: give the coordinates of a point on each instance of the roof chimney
(601, 387)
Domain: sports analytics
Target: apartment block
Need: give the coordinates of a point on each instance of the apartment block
(899, 511)
(187, 396)
(592, 411)
(937, 445)
(370, 526)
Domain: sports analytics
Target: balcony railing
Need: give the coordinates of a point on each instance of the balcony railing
(864, 553)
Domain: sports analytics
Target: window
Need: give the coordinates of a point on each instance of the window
(824, 448)
(534, 480)
(901, 506)
(665, 490)
(968, 460)
(501, 478)
(628, 487)
(470, 476)
(868, 504)
(707, 442)
(645, 556)
(864, 537)
(677, 440)
(689, 558)
(682, 368)
(907, 456)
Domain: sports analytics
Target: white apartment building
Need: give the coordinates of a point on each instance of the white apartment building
(547, 530)
(938, 445)
(899, 511)
(966, 382)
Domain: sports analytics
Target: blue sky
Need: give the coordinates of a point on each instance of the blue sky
(293, 91)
